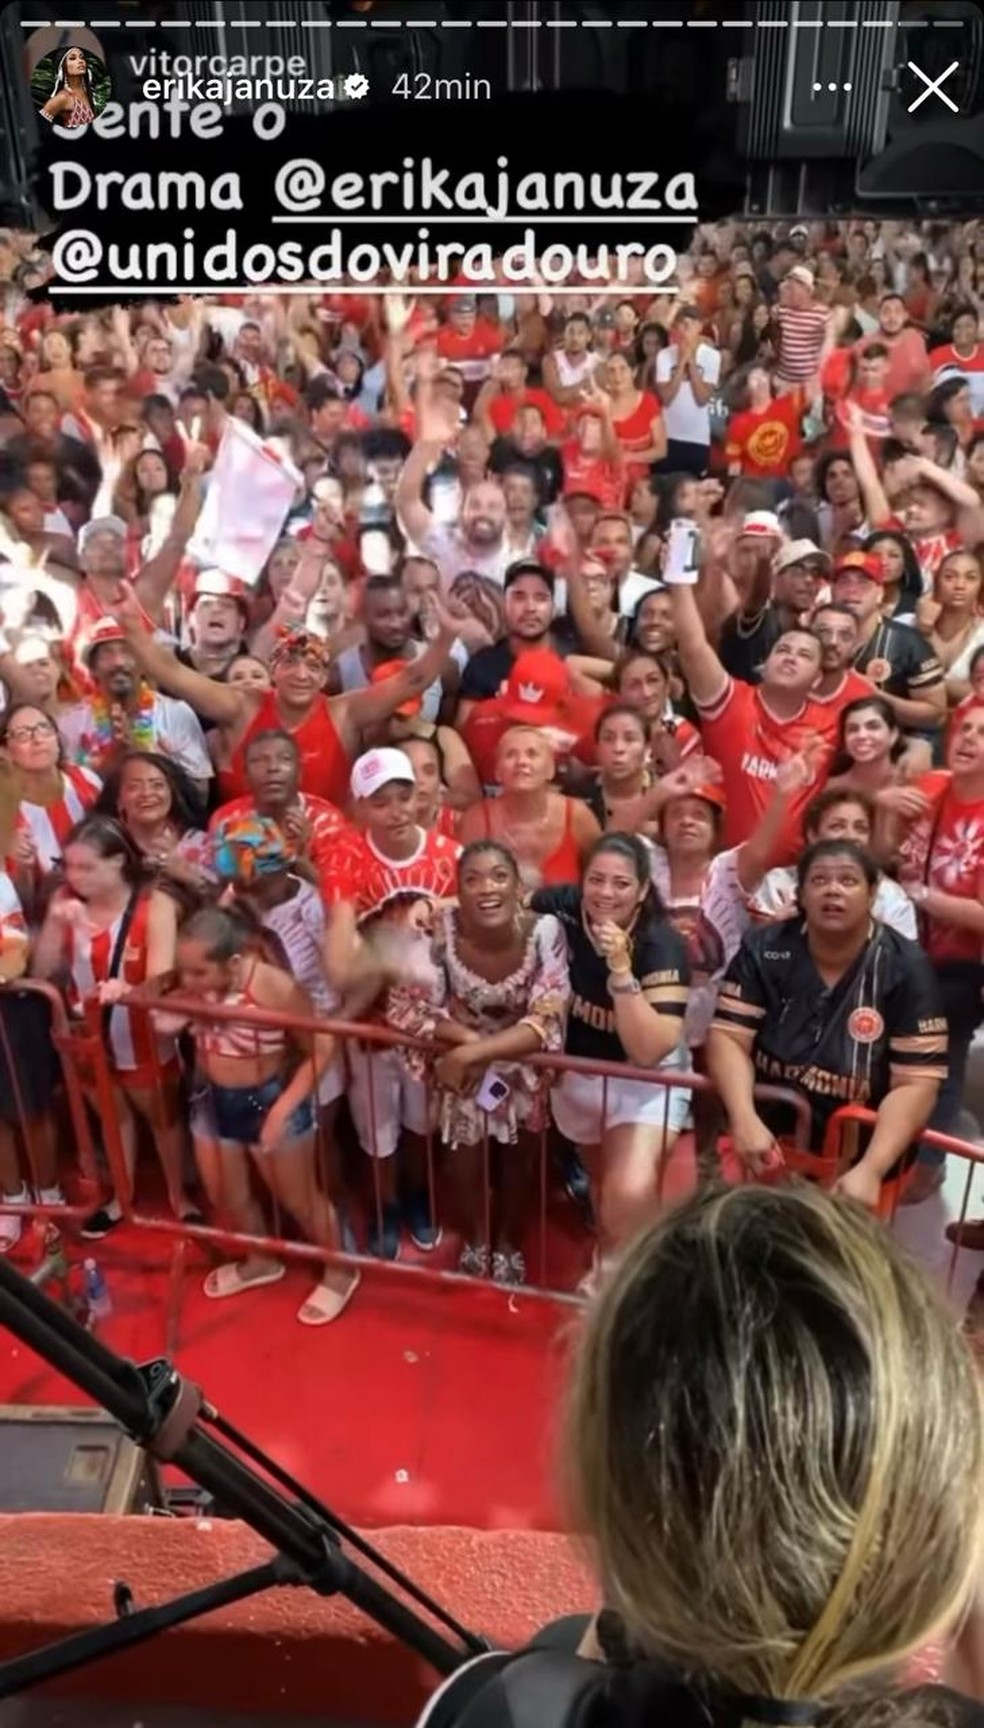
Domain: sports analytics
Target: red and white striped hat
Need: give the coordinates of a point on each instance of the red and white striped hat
(218, 586)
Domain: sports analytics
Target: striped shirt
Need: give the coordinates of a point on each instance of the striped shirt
(49, 825)
(89, 955)
(801, 334)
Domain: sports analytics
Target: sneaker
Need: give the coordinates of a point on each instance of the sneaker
(509, 1268)
(474, 1260)
(51, 1196)
(424, 1233)
(384, 1234)
(575, 1178)
(101, 1222)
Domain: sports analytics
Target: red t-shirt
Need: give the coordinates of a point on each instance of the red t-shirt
(483, 340)
(766, 440)
(749, 741)
(945, 849)
(633, 433)
(594, 475)
(828, 709)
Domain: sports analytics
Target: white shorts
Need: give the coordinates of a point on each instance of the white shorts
(387, 1102)
(582, 1106)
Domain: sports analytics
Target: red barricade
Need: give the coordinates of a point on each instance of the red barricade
(88, 1074)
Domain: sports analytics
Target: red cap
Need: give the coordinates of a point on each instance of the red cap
(706, 791)
(861, 564)
(107, 630)
(536, 688)
(710, 794)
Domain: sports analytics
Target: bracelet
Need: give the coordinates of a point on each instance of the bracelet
(618, 971)
(632, 988)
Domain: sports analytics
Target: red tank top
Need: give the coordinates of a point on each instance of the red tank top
(563, 866)
(325, 765)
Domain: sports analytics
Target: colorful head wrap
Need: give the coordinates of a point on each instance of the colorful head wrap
(248, 847)
(297, 642)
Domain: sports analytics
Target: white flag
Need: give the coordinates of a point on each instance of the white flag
(251, 488)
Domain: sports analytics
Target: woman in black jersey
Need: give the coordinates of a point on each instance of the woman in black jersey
(835, 1006)
(629, 982)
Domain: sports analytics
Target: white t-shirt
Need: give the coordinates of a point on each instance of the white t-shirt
(712, 925)
(177, 733)
(686, 421)
(777, 894)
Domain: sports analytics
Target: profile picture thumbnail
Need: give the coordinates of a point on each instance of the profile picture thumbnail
(70, 86)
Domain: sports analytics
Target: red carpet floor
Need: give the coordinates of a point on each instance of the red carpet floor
(423, 1404)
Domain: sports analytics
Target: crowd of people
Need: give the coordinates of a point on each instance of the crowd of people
(613, 690)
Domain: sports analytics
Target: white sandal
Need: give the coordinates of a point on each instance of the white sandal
(225, 1280)
(324, 1305)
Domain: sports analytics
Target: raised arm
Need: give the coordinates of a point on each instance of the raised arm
(153, 582)
(876, 505)
(222, 703)
(705, 676)
(360, 709)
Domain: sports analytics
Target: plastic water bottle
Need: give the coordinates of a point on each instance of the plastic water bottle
(97, 1291)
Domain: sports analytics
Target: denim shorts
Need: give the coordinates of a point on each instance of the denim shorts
(237, 1113)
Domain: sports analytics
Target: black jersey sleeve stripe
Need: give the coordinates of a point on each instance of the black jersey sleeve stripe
(904, 1075)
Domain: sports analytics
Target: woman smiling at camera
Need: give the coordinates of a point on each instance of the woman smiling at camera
(629, 983)
(505, 971)
(842, 1010)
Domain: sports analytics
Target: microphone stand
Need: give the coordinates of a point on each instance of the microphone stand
(166, 1415)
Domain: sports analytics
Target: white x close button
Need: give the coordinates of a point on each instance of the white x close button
(933, 87)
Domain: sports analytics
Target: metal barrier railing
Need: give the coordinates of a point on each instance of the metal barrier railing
(88, 1076)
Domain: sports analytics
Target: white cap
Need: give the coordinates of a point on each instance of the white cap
(377, 768)
(217, 585)
(101, 525)
(801, 552)
(761, 522)
(801, 273)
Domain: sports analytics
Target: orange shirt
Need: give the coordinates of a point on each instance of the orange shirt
(765, 440)
(741, 732)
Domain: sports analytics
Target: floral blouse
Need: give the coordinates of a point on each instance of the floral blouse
(536, 994)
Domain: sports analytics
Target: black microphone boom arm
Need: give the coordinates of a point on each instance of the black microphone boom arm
(166, 1415)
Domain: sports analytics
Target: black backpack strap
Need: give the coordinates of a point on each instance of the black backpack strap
(535, 1689)
(117, 957)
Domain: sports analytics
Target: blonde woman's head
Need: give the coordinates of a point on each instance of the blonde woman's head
(776, 1435)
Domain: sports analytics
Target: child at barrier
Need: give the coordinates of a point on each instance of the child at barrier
(257, 863)
(392, 875)
(255, 1105)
